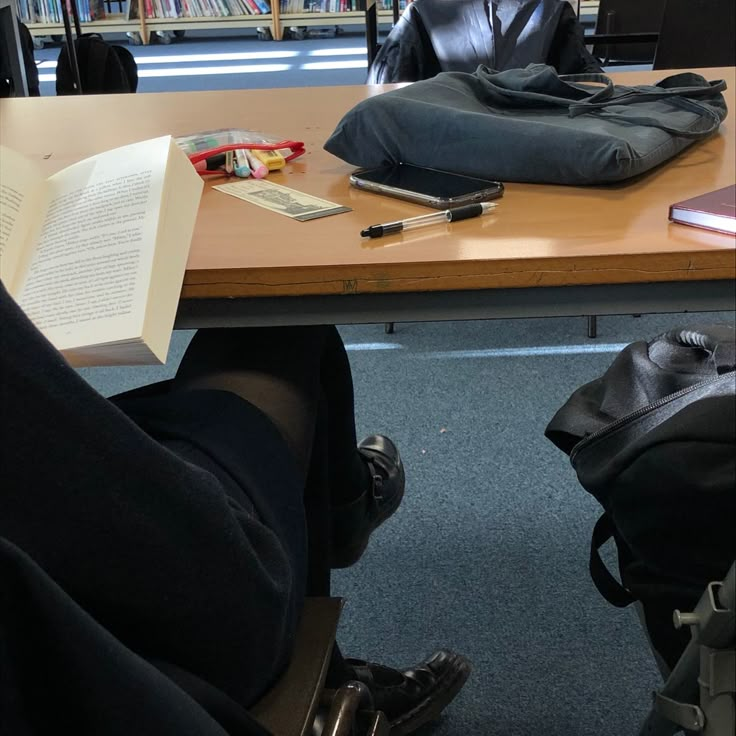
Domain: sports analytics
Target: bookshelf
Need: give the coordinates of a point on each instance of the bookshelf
(43, 17)
(114, 23)
(299, 15)
(164, 16)
(143, 17)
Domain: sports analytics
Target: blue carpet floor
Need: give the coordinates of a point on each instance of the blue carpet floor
(488, 553)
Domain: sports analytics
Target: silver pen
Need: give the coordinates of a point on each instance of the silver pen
(453, 215)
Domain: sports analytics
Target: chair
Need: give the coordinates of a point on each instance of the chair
(697, 33)
(627, 17)
(371, 27)
(13, 81)
(291, 706)
(371, 30)
(435, 36)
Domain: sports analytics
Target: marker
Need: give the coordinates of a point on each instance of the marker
(195, 145)
(257, 168)
(214, 163)
(241, 164)
(453, 215)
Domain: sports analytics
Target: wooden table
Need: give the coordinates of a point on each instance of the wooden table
(550, 250)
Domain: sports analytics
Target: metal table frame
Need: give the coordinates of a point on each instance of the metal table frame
(602, 299)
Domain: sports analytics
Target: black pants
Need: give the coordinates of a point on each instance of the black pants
(300, 378)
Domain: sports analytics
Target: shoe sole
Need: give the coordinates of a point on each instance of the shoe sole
(430, 709)
(348, 556)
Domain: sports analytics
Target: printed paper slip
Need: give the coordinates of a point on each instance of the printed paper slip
(283, 200)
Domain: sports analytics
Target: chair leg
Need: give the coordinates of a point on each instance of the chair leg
(592, 325)
(389, 328)
(352, 707)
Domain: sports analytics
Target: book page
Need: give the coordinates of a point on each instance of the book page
(87, 282)
(179, 209)
(20, 192)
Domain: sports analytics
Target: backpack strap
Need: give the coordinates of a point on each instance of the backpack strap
(607, 585)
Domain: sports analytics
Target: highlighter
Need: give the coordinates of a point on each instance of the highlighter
(257, 167)
(273, 159)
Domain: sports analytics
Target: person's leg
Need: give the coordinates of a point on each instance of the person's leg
(278, 370)
(376, 461)
(336, 379)
(286, 372)
(417, 695)
(300, 378)
(275, 369)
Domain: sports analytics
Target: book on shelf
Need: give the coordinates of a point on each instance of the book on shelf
(198, 8)
(49, 11)
(95, 254)
(712, 211)
(299, 7)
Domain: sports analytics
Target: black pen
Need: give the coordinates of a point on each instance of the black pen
(453, 215)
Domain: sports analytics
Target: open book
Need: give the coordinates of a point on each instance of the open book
(95, 255)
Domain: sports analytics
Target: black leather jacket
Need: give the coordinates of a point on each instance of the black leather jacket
(434, 36)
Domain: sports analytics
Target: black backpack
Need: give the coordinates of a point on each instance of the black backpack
(654, 441)
(103, 68)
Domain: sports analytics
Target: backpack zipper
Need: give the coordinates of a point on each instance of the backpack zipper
(621, 421)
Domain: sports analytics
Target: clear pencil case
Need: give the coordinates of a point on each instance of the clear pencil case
(209, 144)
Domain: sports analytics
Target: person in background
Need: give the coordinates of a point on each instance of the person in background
(434, 36)
(156, 548)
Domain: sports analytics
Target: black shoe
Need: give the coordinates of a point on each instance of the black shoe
(416, 696)
(353, 523)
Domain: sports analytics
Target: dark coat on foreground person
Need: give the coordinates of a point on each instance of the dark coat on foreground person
(151, 578)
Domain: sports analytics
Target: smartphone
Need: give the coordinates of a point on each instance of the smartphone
(430, 187)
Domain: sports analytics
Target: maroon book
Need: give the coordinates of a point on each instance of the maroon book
(712, 211)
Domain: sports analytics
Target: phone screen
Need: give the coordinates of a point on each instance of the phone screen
(429, 182)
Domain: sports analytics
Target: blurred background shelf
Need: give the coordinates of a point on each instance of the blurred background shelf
(295, 19)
